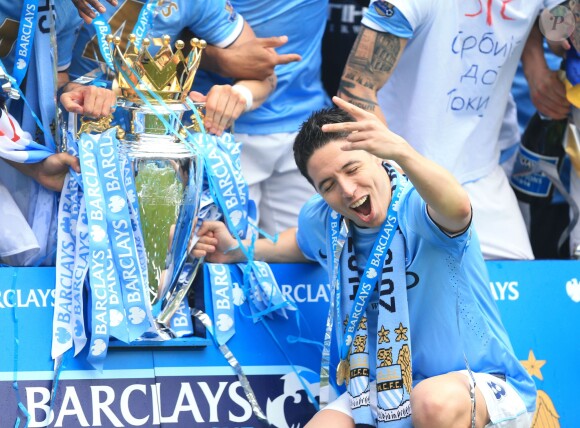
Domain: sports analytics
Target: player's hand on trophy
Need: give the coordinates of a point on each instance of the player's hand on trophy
(87, 8)
(52, 170)
(223, 105)
(217, 244)
(90, 101)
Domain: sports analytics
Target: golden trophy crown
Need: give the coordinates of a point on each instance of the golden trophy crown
(168, 74)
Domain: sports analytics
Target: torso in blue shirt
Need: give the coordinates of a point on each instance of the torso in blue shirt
(214, 21)
(446, 278)
(299, 91)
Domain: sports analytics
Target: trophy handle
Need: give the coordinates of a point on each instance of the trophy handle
(98, 126)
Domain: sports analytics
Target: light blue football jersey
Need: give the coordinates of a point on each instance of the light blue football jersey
(214, 21)
(299, 91)
(446, 279)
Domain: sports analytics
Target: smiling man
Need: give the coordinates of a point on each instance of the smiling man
(419, 336)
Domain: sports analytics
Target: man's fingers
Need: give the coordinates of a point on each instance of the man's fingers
(198, 254)
(276, 42)
(340, 127)
(356, 112)
(97, 5)
(71, 103)
(86, 18)
(356, 137)
(287, 58)
(206, 227)
(197, 97)
(272, 42)
(72, 161)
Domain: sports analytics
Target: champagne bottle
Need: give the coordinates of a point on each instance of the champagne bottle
(542, 142)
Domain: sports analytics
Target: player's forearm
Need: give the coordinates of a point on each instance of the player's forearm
(260, 89)
(533, 59)
(218, 61)
(370, 64)
(448, 202)
(284, 250)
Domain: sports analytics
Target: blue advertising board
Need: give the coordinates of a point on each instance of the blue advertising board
(185, 386)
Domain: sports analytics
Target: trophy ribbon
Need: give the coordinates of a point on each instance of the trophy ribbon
(338, 231)
(232, 361)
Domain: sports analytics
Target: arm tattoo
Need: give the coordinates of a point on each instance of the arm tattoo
(370, 64)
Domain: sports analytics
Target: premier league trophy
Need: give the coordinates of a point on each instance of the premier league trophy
(127, 222)
(160, 171)
(153, 90)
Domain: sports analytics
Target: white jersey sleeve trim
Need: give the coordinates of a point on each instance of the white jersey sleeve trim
(63, 67)
(372, 25)
(233, 35)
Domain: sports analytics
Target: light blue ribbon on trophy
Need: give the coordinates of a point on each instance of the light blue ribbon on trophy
(109, 184)
(99, 295)
(131, 192)
(234, 149)
(117, 316)
(72, 201)
(144, 22)
(63, 323)
(337, 232)
(222, 303)
(80, 273)
(224, 177)
(181, 324)
(102, 29)
(258, 308)
(25, 39)
(231, 199)
(266, 297)
(137, 318)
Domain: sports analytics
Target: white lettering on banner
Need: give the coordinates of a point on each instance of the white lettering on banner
(181, 317)
(104, 45)
(26, 30)
(37, 298)
(104, 411)
(309, 293)
(98, 269)
(225, 182)
(220, 276)
(103, 406)
(499, 290)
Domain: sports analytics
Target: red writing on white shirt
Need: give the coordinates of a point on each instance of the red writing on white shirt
(489, 10)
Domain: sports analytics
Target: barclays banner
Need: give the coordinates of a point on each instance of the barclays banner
(193, 385)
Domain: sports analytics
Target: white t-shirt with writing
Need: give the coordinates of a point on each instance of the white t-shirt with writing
(447, 95)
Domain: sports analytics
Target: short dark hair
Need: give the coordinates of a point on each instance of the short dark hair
(310, 137)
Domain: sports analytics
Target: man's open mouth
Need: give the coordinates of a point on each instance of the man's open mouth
(362, 205)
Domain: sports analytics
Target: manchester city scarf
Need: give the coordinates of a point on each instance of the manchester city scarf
(385, 269)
